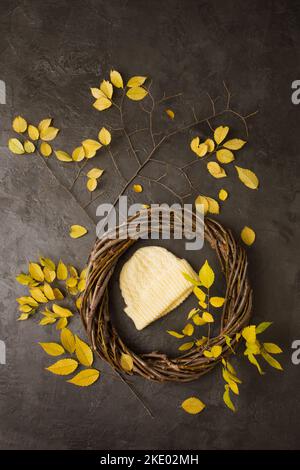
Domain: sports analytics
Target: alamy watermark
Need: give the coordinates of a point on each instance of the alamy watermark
(2, 92)
(2, 352)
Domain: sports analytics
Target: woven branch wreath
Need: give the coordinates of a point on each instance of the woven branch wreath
(155, 365)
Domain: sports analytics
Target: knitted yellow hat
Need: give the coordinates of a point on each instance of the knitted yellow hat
(152, 284)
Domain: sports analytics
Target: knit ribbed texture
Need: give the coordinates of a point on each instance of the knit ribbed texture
(152, 284)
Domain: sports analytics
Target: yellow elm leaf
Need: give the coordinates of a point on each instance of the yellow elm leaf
(24, 279)
(19, 124)
(91, 184)
(53, 349)
(272, 348)
(201, 204)
(95, 173)
(206, 276)
(73, 271)
(61, 323)
(36, 272)
(207, 353)
(198, 320)
(78, 303)
(188, 330)
(116, 79)
(67, 339)
(234, 144)
(175, 334)
(62, 271)
(73, 290)
(33, 132)
(136, 94)
(217, 301)
(38, 295)
(255, 362)
(227, 399)
(199, 149)
(213, 205)
(216, 351)
(191, 279)
(83, 352)
(137, 188)
(220, 133)
(29, 147)
(47, 262)
(61, 311)
(63, 156)
(262, 327)
(71, 282)
(97, 93)
(77, 231)
(248, 235)
(48, 291)
(44, 124)
(126, 362)
(170, 113)
(90, 147)
(102, 103)
(202, 304)
(249, 333)
(192, 405)
(247, 177)
(85, 378)
(223, 194)
(23, 316)
(63, 367)
(49, 275)
(136, 81)
(58, 294)
(104, 136)
(232, 384)
(253, 348)
(15, 146)
(195, 144)
(210, 145)
(27, 301)
(25, 308)
(207, 317)
(216, 170)
(49, 133)
(186, 346)
(199, 293)
(201, 341)
(47, 321)
(81, 285)
(78, 154)
(225, 156)
(45, 149)
(271, 361)
(106, 88)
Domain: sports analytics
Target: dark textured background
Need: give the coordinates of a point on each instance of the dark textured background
(51, 52)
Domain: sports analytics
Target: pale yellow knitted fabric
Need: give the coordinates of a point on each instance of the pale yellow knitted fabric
(152, 284)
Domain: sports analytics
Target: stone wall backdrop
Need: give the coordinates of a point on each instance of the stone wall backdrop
(51, 53)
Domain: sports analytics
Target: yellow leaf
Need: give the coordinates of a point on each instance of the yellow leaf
(53, 349)
(213, 205)
(207, 317)
(78, 154)
(220, 133)
(83, 352)
(104, 136)
(58, 294)
(15, 146)
(63, 156)
(95, 173)
(19, 124)
(249, 334)
(85, 378)
(126, 362)
(232, 385)
(61, 311)
(254, 361)
(247, 177)
(62, 271)
(210, 145)
(106, 88)
(49, 275)
(188, 330)
(186, 346)
(262, 327)
(170, 113)
(206, 275)
(48, 263)
(116, 79)
(47, 321)
(201, 341)
(62, 323)
(23, 316)
(216, 170)
(29, 147)
(223, 194)
(191, 279)
(217, 301)
(78, 303)
(227, 399)
(136, 94)
(27, 301)
(73, 290)
(234, 144)
(73, 271)
(45, 149)
(44, 124)
(33, 132)
(198, 320)
(102, 103)
(36, 272)
(24, 279)
(91, 184)
(81, 285)
(272, 348)
(90, 147)
(48, 291)
(71, 282)
(77, 231)
(137, 188)
(199, 149)
(175, 334)
(193, 405)
(271, 361)
(67, 339)
(199, 293)
(38, 295)
(225, 156)
(97, 93)
(136, 81)
(248, 235)
(25, 308)
(201, 204)
(49, 133)
(216, 351)
(63, 367)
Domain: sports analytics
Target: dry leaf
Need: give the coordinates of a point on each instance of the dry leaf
(188, 330)
(90, 147)
(78, 303)
(38, 295)
(47, 321)
(63, 367)
(58, 294)
(206, 275)
(247, 177)
(213, 205)
(27, 301)
(104, 136)
(199, 293)
(126, 362)
(223, 194)
(78, 154)
(36, 272)
(116, 79)
(217, 301)
(271, 360)
(193, 405)
(53, 349)
(175, 334)
(248, 235)
(249, 334)
(170, 113)
(220, 133)
(272, 348)
(61, 311)
(199, 321)
(25, 308)
(44, 124)
(85, 378)
(137, 93)
(24, 279)
(199, 149)
(63, 156)
(216, 170)
(106, 88)
(45, 149)
(47, 262)
(62, 323)
(81, 285)
(19, 124)
(210, 145)
(15, 146)
(48, 133)
(207, 317)
(136, 81)
(102, 103)
(62, 271)
(29, 147)
(137, 188)
(33, 132)
(234, 144)
(71, 282)
(186, 346)
(97, 93)
(91, 184)
(23, 316)
(83, 352)
(227, 399)
(49, 275)
(48, 291)
(77, 231)
(67, 339)
(225, 156)
(201, 204)
(95, 173)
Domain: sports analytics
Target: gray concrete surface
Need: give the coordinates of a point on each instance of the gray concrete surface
(51, 52)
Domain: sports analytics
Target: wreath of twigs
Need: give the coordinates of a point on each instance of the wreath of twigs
(156, 365)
